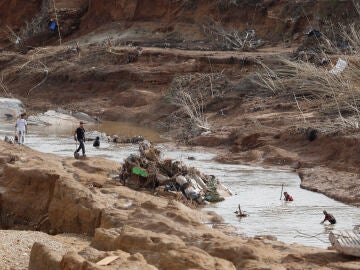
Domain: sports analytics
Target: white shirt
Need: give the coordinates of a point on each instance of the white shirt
(20, 124)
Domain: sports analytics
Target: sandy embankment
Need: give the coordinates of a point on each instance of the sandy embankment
(146, 231)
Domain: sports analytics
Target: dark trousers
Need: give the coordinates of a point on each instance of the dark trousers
(81, 146)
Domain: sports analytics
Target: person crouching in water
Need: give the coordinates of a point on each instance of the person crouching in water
(79, 136)
(97, 142)
(288, 197)
(21, 128)
(328, 217)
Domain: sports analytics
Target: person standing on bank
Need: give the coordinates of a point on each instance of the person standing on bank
(21, 128)
(79, 136)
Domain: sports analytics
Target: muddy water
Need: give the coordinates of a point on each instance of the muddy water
(256, 189)
(108, 127)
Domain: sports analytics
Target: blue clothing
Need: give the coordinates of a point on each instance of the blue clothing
(52, 26)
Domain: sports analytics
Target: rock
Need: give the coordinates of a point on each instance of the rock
(11, 106)
(84, 117)
(73, 209)
(311, 134)
(209, 140)
(192, 193)
(25, 187)
(161, 250)
(181, 180)
(42, 258)
(192, 258)
(90, 256)
(73, 261)
(130, 239)
(162, 179)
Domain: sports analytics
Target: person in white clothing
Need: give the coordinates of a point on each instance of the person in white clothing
(21, 128)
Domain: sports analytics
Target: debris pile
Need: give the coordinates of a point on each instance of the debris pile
(148, 170)
(125, 139)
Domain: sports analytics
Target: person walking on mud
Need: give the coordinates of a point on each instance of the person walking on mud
(328, 217)
(79, 136)
(21, 128)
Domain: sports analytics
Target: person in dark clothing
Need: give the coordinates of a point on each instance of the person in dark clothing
(288, 197)
(328, 217)
(97, 142)
(79, 136)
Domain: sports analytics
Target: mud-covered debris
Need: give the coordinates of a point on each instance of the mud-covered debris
(148, 170)
(125, 139)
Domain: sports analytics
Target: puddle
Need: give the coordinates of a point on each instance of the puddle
(255, 188)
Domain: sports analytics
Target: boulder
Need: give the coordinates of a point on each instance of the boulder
(42, 258)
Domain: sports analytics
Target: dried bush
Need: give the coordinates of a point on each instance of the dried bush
(336, 93)
(350, 34)
(351, 37)
(232, 39)
(192, 92)
(318, 81)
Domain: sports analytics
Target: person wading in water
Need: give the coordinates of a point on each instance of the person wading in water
(97, 142)
(328, 217)
(288, 197)
(79, 136)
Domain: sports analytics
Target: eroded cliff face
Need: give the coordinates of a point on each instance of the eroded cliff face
(273, 20)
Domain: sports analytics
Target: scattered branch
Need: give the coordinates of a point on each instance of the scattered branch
(4, 88)
(46, 73)
(232, 39)
(297, 104)
(192, 92)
